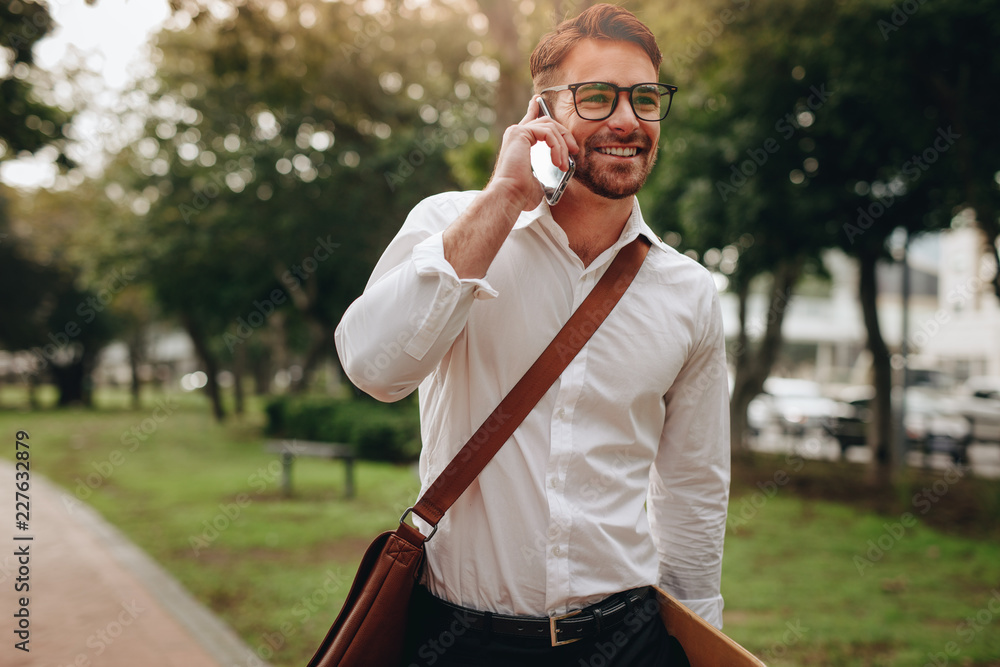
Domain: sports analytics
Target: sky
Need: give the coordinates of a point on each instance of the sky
(113, 33)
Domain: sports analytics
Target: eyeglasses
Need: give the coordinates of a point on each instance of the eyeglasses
(596, 100)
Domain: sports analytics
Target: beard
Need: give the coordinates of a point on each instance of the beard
(616, 181)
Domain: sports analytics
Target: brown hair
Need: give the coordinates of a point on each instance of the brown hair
(602, 21)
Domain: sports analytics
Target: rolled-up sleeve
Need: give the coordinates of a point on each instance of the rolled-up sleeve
(689, 482)
(412, 310)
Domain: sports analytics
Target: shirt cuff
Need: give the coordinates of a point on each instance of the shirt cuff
(710, 609)
(430, 263)
(428, 259)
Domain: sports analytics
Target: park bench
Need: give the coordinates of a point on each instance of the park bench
(289, 449)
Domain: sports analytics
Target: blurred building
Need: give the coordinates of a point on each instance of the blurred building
(964, 340)
(954, 317)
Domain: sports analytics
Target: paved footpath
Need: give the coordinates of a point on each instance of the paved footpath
(95, 599)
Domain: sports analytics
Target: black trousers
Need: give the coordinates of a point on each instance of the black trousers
(437, 637)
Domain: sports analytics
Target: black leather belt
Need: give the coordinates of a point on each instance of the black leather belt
(564, 629)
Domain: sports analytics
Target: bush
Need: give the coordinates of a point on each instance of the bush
(377, 431)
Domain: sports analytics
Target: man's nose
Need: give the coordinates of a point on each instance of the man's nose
(623, 118)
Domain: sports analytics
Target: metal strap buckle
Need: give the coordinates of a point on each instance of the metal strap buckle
(554, 631)
(407, 513)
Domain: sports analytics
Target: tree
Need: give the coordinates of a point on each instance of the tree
(821, 115)
(734, 146)
(274, 180)
(43, 314)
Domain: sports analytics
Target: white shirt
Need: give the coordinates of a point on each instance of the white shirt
(558, 519)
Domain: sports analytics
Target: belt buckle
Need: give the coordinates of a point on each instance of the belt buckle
(554, 632)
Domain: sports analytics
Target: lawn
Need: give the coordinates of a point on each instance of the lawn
(893, 578)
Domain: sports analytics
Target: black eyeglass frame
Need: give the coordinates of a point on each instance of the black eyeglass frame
(618, 91)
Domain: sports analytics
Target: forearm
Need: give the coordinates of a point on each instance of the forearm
(691, 523)
(418, 299)
(689, 487)
(473, 240)
(415, 305)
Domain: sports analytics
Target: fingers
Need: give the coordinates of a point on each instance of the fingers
(534, 111)
(549, 130)
(513, 164)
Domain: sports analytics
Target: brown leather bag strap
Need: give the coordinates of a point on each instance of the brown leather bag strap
(501, 424)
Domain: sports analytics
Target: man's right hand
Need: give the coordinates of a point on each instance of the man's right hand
(513, 167)
(473, 240)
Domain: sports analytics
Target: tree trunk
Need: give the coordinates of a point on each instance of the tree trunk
(262, 374)
(322, 339)
(277, 357)
(32, 382)
(511, 94)
(239, 368)
(194, 330)
(69, 381)
(880, 429)
(753, 366)
(986, 217)
(135, 357)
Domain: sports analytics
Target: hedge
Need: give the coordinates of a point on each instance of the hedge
(377, 431)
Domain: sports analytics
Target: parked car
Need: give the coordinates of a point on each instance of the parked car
(793, 406)
(978, 401)
(932, 424)
(850, 427)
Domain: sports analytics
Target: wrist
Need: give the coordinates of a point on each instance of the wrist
(508, 194)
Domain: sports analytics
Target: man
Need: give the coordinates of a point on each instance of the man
(466, 297)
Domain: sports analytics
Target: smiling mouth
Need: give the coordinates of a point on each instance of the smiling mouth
(619, 152)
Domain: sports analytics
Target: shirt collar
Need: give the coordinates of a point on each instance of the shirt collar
(635, 226)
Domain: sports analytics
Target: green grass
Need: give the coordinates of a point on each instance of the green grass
(204, 500)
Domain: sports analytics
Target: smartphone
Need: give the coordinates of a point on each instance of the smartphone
(553, 179)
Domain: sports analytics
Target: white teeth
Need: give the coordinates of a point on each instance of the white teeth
(620, 152)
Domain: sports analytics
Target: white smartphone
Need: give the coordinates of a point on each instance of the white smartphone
(553, 179)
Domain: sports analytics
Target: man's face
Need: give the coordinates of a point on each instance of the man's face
(597, 168)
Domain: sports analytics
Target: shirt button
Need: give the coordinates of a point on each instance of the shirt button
(560, 413)
(557, 551)
(553, 482)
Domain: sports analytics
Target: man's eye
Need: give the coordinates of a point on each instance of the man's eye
(594, 94)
